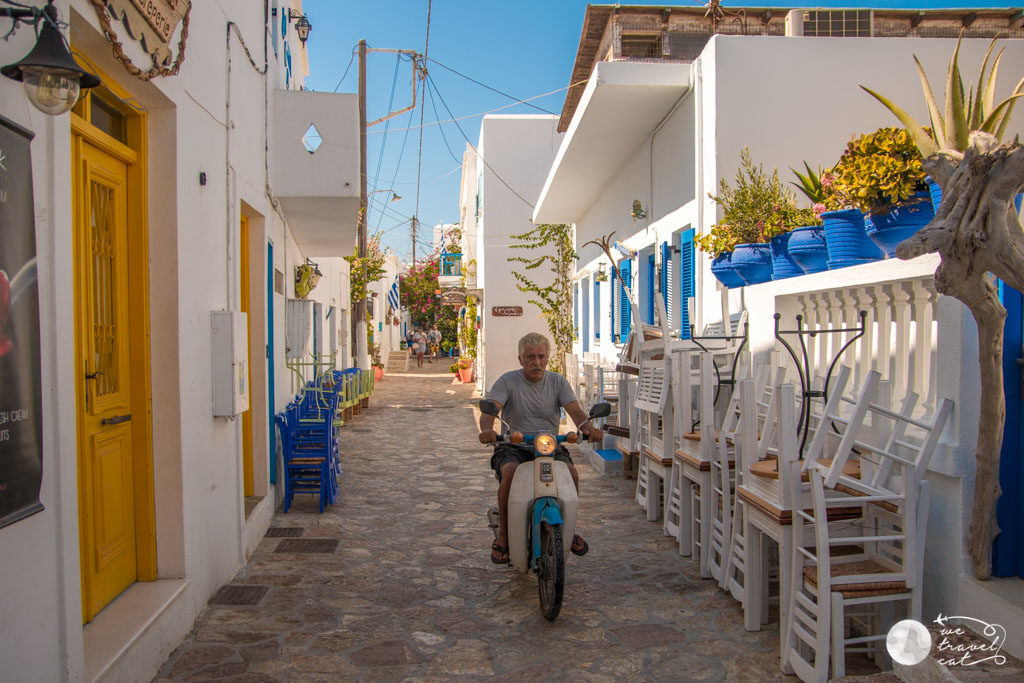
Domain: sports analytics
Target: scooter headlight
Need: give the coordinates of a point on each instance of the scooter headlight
(545, 444)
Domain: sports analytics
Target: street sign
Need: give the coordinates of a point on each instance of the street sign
(506, 311)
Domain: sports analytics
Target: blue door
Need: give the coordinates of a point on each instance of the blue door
(1008, 548)
(585, 316)
(270, 361)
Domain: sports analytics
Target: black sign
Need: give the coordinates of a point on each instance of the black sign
(21, 415)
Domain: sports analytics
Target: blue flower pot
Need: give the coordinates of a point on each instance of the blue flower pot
(936, 194)
(807, 248)
(721, 268)
(753, 262)
(935, 191)
(783, 265)
(887, 230)
(846, 240)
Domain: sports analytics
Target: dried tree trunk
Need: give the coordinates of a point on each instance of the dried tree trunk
(977, 235)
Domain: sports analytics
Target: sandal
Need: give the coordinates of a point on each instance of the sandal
(502, 551)
(581, 551)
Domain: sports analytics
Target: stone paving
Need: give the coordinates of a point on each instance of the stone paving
(409, 592)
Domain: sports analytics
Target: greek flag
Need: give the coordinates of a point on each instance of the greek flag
(393, 296)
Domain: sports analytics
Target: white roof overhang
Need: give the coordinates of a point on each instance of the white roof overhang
(622, 104)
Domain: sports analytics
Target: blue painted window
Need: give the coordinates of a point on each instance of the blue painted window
(649, 299)
(626, 266)
(668, 295)
(597, 310)
(585, 315)
(613, 304)
(687, 281)
(576, 310)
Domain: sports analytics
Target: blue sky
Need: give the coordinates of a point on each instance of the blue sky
(522, 48)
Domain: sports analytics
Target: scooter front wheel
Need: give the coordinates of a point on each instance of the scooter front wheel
(550, 570)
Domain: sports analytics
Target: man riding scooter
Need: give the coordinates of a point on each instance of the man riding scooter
(530, 400)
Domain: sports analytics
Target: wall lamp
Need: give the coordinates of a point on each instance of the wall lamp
(51, 76)
(302, 26)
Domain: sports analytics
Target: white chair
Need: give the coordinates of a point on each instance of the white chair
(829, 595)
(652, 400)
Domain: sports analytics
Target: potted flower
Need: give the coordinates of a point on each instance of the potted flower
(807, 242)
(756, 211)
(376, 362)
(879, 174)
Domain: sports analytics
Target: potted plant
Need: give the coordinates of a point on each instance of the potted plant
(376, 362)
(964, 112)
(754, 212)
(880, 175)
(807, 242)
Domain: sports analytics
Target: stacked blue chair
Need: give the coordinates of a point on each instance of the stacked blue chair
(309, 438)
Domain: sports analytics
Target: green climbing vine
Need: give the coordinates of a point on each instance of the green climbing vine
(554, 300)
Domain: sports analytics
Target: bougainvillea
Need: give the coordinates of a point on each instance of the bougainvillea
(421, 296)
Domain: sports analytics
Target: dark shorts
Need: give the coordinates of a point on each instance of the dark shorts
(505, 453)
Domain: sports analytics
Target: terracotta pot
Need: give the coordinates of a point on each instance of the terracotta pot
(466, 375)
(378, 373)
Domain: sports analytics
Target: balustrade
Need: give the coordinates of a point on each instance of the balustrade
(900, 341)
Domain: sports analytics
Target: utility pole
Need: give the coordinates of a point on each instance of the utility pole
(414, 219)
(359, 314)
(362, 359)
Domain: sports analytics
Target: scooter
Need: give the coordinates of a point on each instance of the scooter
(541, 511)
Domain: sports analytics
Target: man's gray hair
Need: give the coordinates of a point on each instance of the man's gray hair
(533, 339)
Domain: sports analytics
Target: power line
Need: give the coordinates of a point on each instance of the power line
(427, 180)
(441, 128)
(351, 59)
(503, 94)
(398, 164)
(479, 156)
(490, 111)
(423, 109)
(387, 124)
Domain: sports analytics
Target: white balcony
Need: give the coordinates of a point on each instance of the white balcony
(315, 168)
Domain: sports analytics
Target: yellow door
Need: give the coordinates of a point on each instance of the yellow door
(248, 487)
(106, 469)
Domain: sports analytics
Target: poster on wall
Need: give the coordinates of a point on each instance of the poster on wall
(21, 424)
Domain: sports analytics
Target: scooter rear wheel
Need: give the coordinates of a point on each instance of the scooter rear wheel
(550, 570)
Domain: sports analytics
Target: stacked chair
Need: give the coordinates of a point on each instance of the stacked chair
(309, 427)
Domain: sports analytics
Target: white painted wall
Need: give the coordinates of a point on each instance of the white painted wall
(202, 534)
(520, 150)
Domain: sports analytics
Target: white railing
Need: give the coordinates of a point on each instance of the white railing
(900, 339)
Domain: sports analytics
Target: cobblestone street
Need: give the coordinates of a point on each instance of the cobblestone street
(402, 586)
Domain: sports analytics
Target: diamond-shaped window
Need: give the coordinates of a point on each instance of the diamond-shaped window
(311, 139)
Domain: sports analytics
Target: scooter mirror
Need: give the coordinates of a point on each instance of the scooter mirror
(489, 408)
(600, 410)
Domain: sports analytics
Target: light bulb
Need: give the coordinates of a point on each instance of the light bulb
(51, 91)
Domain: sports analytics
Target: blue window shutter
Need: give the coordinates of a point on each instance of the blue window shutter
(687, 285)
(667, 281)
(612, 301)
(624, 313)
(597, 309)
(649, 299)
(576, 309)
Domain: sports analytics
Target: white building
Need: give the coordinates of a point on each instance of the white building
(664, 115)
(157, 203)
(512, 158)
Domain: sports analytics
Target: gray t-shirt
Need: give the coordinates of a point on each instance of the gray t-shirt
(531, 407)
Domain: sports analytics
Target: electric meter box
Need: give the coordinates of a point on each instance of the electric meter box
(230, 363)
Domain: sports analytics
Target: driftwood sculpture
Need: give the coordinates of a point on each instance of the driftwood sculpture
(977, 234)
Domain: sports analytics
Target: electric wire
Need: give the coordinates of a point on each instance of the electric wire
(398, 164)
(503, 94)
(491, 111)
(430, 91)
(355, 49)
(387, 123)
(475, 150)
(427, 180)
(423, 109)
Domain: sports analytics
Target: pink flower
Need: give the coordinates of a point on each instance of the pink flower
(819, 209)
(828, 179)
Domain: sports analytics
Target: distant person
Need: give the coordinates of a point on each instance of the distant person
(434, 337)
(420, 345)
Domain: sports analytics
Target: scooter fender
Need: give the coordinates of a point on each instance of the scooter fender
(527, 486)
